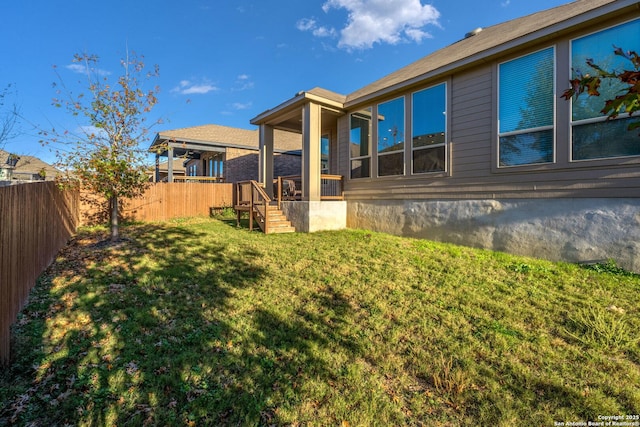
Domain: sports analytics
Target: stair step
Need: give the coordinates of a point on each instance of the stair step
(281, 230)
(278, 222)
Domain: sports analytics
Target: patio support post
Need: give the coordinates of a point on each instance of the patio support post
(311, 130)
(156, 175)
(170, 164)
(265, 166)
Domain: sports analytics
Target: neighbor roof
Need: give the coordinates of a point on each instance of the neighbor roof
(493, 40)
(225, 136)
(29, 164)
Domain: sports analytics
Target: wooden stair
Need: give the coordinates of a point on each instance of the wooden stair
(276, 221)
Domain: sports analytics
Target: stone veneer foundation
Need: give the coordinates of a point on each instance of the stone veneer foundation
(308, 217)
(573, 230)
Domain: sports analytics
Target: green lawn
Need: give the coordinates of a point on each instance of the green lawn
(197, 322)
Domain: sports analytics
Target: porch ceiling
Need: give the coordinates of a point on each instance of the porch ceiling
(183, 148)
(288, 115)
(292, 120)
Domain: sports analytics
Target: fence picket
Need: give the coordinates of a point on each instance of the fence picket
(36, 220)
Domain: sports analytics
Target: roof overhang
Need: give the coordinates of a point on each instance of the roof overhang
(182, 146)
(287, 116)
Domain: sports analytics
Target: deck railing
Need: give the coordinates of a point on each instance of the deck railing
(201, 179)
(290, 187)
(252, 197)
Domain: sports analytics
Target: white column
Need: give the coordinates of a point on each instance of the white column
(311, 129)
(265, 166)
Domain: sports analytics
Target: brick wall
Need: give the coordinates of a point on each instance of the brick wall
(242, 165)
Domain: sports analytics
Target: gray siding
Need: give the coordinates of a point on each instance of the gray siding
(472, 138)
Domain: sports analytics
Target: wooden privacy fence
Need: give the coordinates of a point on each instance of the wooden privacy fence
(36, 221)
(163, 201)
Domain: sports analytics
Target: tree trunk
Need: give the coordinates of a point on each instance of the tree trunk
(113, 207)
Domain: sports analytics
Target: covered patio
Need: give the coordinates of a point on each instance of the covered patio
(185, 150)
(316, 202)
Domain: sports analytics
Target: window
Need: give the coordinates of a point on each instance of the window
(428, 136)
(216, 165)
(359, 143)
(526, 109)
(593, 136)
(324, 153)
(391, 138)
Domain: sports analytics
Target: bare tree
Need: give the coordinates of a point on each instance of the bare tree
(9, 113)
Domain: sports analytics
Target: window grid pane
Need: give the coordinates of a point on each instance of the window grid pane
(391, 164)
(360, 168)
(428, 135)
(593, 138)
(526, 109)
(429, 160)
(391, 126)
(605, 139)
(599, 47)
(359, 143)
(526, 148)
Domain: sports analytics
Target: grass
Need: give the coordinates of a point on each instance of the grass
(196, 322)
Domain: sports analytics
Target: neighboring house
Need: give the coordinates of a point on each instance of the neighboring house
(225, 154)
(473, 144)
(27, 168)
(160, 172)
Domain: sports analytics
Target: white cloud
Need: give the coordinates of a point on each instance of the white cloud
(324, 32)
(83, 69)
(242, 106)
(243, 82)
(307, 24)
(506, 3)
(187, 87)
(377, 21)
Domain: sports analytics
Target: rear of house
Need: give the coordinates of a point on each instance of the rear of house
(474, 145)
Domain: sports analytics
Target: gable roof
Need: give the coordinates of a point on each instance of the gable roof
(225, 136)
(29, 164)
(495, 40)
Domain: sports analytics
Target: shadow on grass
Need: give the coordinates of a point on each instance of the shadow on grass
(150, 332)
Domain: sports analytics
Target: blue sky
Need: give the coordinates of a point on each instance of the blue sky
(224, 61)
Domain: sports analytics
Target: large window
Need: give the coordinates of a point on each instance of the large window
(593, 137)
(360, 143)
(391, 138)
(526, 109)
(428, 135)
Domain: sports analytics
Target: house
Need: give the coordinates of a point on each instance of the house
(214, 153)
(160, 172)
(474, 145)
(20, 167)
